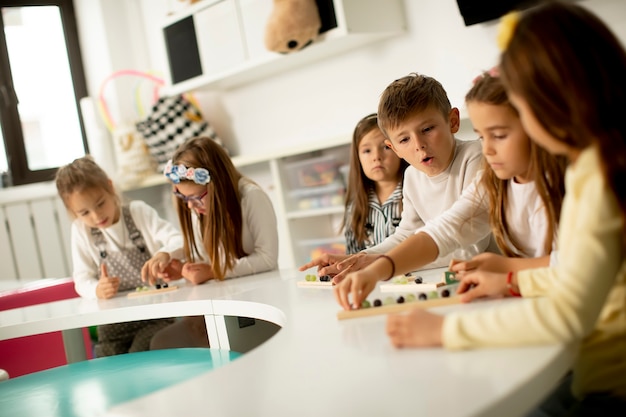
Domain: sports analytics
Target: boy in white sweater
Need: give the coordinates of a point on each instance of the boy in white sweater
(419, 122)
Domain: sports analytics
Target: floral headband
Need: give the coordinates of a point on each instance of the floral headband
(175, 173)
(508, 23)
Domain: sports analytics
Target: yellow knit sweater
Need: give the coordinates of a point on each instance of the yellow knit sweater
(583, 299)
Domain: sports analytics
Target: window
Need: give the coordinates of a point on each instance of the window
(41, 83)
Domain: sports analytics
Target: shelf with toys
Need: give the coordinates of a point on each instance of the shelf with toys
(311, 188)
(222, 43)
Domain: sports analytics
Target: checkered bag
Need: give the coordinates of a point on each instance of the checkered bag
(171, 122)
(132, 158)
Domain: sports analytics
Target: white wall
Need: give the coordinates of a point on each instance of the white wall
(323, 100)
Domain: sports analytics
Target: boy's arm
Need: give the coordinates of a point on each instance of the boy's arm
(465, 223)
(356, 286)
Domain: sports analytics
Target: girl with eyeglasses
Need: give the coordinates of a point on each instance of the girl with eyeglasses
(228, 225)
(227, 221)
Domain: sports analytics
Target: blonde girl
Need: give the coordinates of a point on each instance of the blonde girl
(525, 228)
(110, 244)
(374, 195)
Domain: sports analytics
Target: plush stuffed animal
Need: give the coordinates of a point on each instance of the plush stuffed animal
(292, 25)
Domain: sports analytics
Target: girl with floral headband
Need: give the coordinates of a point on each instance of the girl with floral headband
(564, 71)
(228, 224)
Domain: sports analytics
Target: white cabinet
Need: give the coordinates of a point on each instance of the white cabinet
(309, 213)
(219, 43)
(218, 34)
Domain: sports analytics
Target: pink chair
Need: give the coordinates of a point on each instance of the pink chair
(29, 354)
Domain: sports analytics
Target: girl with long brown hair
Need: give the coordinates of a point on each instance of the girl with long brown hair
(374, 192)
(228, 225)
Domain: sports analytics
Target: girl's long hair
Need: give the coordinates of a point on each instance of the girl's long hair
(223, 222)
(546, 171)
(569, 67)
(359, 185)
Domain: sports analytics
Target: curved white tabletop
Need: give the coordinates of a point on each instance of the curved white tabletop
(315, 365)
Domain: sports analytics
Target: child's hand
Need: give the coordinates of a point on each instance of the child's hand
(197, 273)
(173, 271)
(482, 284)
(353, 263)
(157, 268)
(416, 329)
(483, 262)
(107, 286)
(326, 264)
(356, 285)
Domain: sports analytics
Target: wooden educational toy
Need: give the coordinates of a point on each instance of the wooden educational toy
(311, 280)
(142, 291)
(388, 308)
(414, 283)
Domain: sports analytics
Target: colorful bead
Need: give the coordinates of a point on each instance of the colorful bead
(388, 300)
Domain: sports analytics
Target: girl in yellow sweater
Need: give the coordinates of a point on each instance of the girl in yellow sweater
(564, 72)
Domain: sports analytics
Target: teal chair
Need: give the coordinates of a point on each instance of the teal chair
(91, 387)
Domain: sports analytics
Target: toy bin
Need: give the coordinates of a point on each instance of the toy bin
(313, 172)
(308, 198)
(314, 248)
(344, 170)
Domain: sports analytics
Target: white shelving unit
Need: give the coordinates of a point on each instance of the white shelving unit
(219, 43)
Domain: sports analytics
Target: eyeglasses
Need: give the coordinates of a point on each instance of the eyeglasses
(195, 200)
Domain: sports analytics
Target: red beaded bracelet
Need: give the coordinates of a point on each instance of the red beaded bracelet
(393, 266)
(509, 285)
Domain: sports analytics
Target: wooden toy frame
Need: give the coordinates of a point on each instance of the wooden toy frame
(152, 291)
(397, 308)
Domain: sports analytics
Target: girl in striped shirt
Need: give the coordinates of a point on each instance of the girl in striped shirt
(374, 195)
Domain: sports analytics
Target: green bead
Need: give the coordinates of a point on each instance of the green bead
(388, 300)
(410, 297)
(365, 304)
(433, 294)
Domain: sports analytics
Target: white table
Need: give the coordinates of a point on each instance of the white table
(315, 365)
